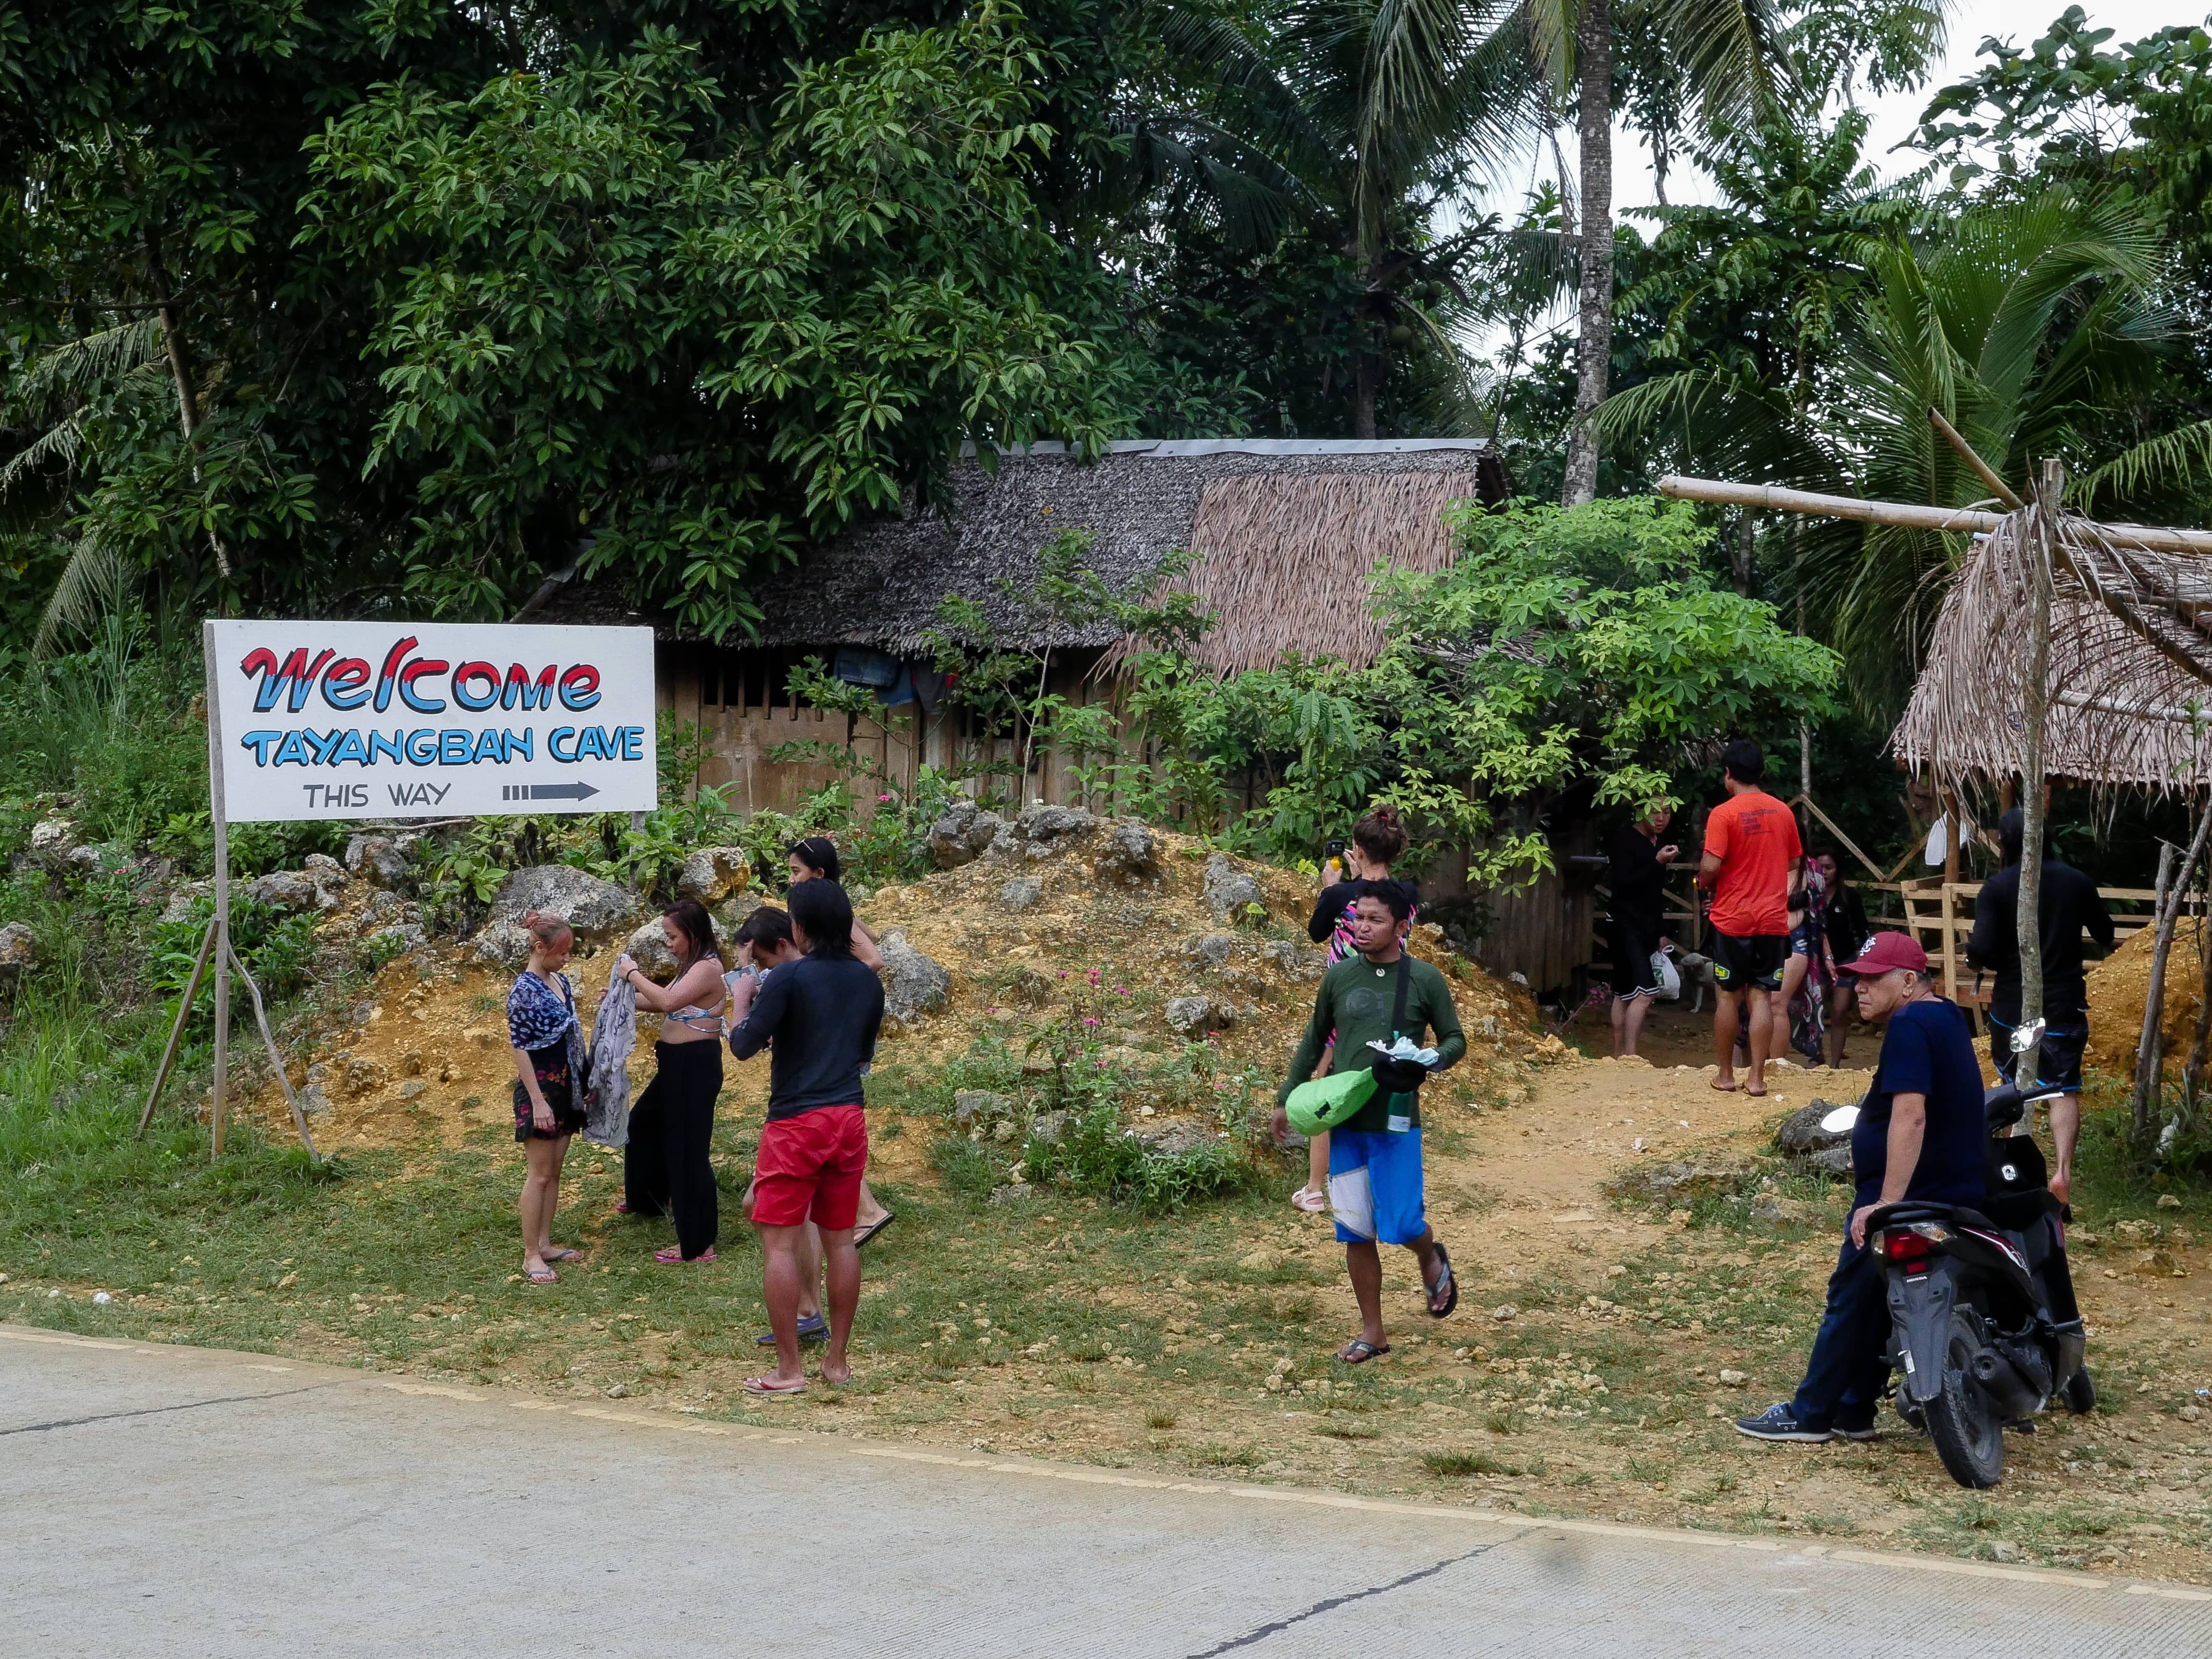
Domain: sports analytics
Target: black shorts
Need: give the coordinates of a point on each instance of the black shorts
(555, 1083)
(2057, 1059)
(1632, 973)
(1749, 964)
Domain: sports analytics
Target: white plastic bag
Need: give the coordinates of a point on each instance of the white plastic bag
(1670, 980)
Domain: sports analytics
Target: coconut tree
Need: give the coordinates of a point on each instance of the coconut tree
(1733, 65)
(1370, 122)
(2020, 322)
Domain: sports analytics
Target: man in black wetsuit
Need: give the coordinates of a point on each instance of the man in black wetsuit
(2070, 906)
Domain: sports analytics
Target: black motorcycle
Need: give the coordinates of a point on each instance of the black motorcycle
(1983, 1321)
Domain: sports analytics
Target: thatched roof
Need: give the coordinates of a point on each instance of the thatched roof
(1288, 530)
(2130, 662)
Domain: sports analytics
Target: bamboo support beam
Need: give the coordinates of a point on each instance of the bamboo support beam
(1962, 521)
(177, 1031)
(1982, 470)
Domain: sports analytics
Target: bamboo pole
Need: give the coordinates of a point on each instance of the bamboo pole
(219, 812)
(1982, 470)
(1962, 521)
(2028, 913)
(2148, 1052)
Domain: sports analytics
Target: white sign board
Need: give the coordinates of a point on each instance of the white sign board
(335, 720)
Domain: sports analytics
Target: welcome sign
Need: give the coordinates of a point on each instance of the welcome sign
(416, 720)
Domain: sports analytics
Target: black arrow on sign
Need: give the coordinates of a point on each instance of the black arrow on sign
(547, 791)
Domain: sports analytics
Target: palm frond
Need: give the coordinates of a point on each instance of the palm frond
(59, 442)
(2182, 456)
(93, 583)
(93, 359)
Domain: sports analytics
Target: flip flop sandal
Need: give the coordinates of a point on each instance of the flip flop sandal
(1360, 1351)
(869, 1232)
(540, 1276)
(674, 1257)
(764, 1385)
(564, 1255)
(1311, 1202)
(812, 1329)
(1447, 1284)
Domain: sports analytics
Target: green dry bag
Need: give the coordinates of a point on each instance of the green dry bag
(1325, 1102)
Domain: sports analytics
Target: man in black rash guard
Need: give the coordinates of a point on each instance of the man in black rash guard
(2070, 906)
(824, 1012)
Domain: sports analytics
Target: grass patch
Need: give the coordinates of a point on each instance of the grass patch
(1336, 1430)
(1453, 1465)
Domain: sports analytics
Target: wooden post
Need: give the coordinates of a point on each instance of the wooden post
(177, 1031)
(2027, 917)
(2147, 1050)
(219, 812)
(277, 1059)
(1950, 960)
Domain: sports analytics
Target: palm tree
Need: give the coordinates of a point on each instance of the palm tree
(1734, 61)
(2014, 321)
(1362, 120)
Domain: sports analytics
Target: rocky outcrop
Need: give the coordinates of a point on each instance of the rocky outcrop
(913, 984)
(1043, 832)
(321, 885)
(1231, 892)
(648, 945)
(1802, 1138)
(1021, 892)
(963, 834)
(597, 910)
(1131, 853)
(19, 951)
(711, 874)
(380, 861)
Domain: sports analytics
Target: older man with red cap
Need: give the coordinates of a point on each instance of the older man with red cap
(1920, 1135)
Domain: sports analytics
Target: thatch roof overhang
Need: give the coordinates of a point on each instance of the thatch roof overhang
(2131, 681)
(1287, 530)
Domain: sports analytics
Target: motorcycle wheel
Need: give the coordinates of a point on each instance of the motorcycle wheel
(1961, 1420)
(2081, 1393)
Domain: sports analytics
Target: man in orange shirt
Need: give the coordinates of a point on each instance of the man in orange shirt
(1752, 861)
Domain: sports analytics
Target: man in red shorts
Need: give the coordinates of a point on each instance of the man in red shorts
(1753, 857)
(824, 1012)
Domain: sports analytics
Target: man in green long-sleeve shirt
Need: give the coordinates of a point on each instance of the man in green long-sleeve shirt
(1374, 1184)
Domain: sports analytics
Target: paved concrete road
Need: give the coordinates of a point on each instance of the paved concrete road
(170, 1501)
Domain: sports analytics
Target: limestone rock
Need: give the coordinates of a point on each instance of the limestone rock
(1188, 1015)
(1043, 832)
(1295, 960)
(1229, 890)
(330, 878)
(913, 984)
(50, 841)
(1801, 1134)
(1684, 1181)
(1016, 1192)
(381, 859)
(1021, 892)
(711, 874)
(649, 945)
(290, 890)
(412, 1088)
(963, 834)
(1176, 1137)
(19, 949)
(363, 1075)
(1214, 950)
(596, 909)
(1050, 1127)
(1131, 853)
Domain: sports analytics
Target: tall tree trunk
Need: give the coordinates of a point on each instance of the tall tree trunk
(1594, 358)
(172, 340)
(2028, 916)
(1365, 378)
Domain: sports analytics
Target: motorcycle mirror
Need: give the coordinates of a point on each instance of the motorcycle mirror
(1841, 1121)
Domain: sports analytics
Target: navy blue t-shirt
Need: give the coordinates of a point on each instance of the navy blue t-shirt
(1927, 1049)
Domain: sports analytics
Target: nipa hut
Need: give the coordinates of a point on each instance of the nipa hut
(1287, 532)
(2130, 682)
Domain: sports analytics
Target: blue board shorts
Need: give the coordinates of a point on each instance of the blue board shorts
(1374, 1186)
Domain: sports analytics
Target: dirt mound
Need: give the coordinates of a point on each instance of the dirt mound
(1185, 945)
(2119, 986)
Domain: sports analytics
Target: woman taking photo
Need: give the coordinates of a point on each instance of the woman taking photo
(815, 858)
(664, 1167)
(1378, 841)
(548, 1069)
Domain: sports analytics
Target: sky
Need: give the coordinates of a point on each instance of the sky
(1896, 115)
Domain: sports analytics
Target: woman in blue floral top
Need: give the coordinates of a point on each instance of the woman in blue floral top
(549, 1090)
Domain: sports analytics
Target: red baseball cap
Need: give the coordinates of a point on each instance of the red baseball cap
(1884, 952)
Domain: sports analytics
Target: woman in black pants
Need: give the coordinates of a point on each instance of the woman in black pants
(664, 1167)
